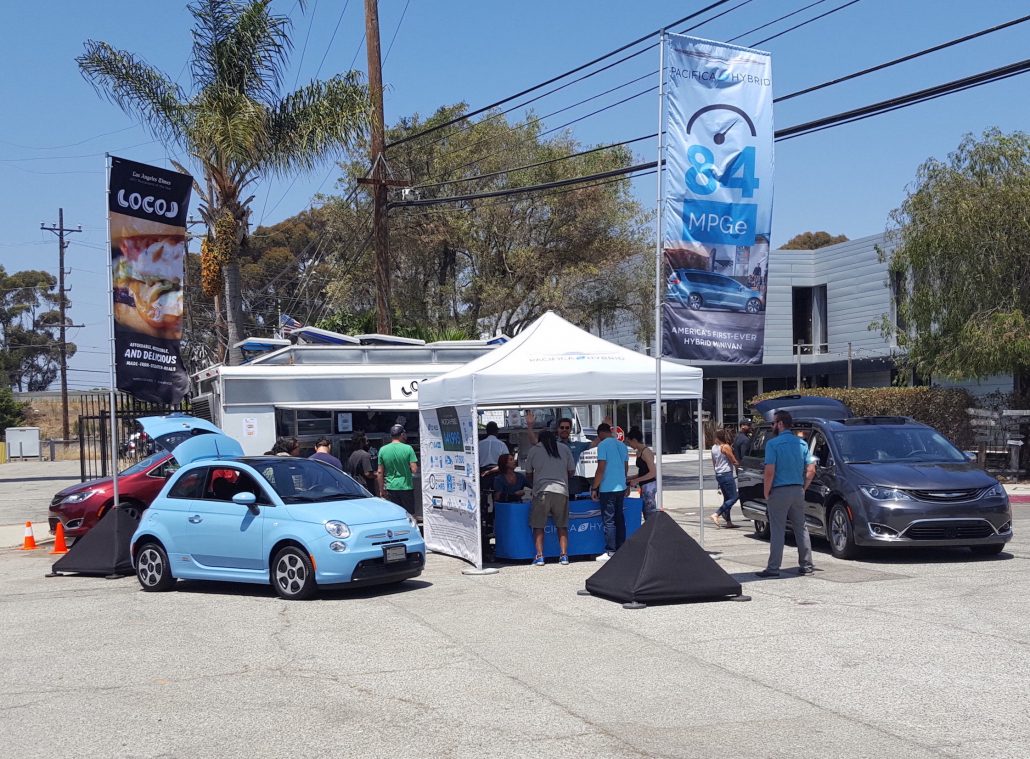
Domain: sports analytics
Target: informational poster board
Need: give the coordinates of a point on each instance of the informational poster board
(450, 482)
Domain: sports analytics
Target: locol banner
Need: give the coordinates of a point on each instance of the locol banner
(717, 200)
(450, 482)
(147, 209)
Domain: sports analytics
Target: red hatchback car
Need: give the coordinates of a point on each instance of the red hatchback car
(80, 506)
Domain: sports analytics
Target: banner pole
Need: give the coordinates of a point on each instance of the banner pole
(701, 469)
(112, 399)
(658, 269)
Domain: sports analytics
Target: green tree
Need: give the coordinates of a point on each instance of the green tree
(236, 124)
(494, 265)
(29, 320)
(12, 413)
(813, 241)
(957, 248)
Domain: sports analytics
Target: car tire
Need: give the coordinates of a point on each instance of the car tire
(753, 306)
(695, 302)
(761, 529)
(988, 550)
(153, 570)
(292, 574)
(841, 533)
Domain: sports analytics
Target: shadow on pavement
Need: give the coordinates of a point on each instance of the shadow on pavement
(211, 587)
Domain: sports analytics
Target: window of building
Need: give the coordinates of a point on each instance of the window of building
(899, 287)
(808, 306)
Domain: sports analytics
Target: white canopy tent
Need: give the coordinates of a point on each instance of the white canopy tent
(550, 362)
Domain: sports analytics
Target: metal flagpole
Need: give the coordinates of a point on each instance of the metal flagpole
(112, 399)
(701, 469)
(658, 268)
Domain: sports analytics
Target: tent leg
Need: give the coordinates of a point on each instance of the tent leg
(634, 605)
(584, 593)
(741, 597)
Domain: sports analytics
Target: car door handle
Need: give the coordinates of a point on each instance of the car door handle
(196, 519)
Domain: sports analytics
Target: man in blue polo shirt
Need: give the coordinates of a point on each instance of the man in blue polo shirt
(789, 469)
(609, 487)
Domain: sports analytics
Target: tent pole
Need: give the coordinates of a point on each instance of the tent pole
(658, 292)
(701, 469)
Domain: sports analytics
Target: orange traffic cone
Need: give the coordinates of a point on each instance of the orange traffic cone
(59, 545)
(29, 544)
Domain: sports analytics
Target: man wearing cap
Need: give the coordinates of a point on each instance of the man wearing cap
(789, 469)
(742, 442)
(397, 466)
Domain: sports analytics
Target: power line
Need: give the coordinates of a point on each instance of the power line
(804, 23)
(776, 20)
(903, 59)
(396, 29)
(331, 39)
(304, 48)
(552, 80)
(845, 117)
(912, 98)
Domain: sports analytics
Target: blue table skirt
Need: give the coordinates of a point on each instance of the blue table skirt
(514, 537)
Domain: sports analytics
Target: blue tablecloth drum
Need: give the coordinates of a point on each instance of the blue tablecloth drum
(514, 538)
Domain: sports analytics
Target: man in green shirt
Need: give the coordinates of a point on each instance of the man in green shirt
(397, 466)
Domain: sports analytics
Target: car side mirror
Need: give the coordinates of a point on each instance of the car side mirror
(970, 455)
(246, 499)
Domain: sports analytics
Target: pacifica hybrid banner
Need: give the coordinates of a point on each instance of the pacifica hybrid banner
(147, 208)
(718, 193)
(450, 481)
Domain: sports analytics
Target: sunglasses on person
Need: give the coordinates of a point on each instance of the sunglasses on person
(564, 427)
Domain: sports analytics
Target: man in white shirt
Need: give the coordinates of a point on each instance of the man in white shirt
(490, 448)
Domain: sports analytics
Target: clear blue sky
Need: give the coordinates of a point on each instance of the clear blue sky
(844, 180)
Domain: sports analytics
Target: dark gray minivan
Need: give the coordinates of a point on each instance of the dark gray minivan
(881, 481)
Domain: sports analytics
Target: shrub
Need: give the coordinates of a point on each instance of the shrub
(944, 409)
(12, 413)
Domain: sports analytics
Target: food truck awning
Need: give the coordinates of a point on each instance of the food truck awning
(388, 404)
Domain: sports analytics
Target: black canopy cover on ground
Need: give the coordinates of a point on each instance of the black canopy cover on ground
(104, 550)
(661, 563)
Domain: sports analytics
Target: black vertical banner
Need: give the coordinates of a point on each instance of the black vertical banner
(147, 210)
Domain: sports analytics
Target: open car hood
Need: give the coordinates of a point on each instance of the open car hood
(190, 439)
(804, 407)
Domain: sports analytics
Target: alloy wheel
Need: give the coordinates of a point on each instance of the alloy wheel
(150, 567)
(695, 301)
(290, 573)
(840, 530)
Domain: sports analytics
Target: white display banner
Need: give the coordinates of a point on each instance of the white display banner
(450, 482)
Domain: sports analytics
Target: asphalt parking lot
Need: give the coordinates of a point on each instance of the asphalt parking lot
(919, 654)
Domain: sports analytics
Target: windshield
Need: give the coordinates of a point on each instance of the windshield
(908, 444)
(144, 464)
(307, 481)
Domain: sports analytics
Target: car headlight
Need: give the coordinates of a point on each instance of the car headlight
(997, 490)
(81, 496)
(412, 521)
(878, 493)
(337, 529)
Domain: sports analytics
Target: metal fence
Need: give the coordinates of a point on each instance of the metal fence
(94, 432)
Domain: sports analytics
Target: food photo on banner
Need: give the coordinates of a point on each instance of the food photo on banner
(717, 200)
(147, 209)
(450, 481)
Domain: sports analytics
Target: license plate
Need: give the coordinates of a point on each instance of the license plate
(393, 554)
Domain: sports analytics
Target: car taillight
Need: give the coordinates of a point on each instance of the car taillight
(674, 280)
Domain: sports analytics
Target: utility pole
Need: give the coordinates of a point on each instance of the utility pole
(60, 230)
(849, 364)
(379, 177)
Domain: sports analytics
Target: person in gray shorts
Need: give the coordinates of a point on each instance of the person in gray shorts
(789, 469)
(548, 466)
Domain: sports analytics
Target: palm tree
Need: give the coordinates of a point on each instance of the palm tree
(235, 124)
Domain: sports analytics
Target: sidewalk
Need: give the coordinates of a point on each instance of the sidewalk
(26, 488)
